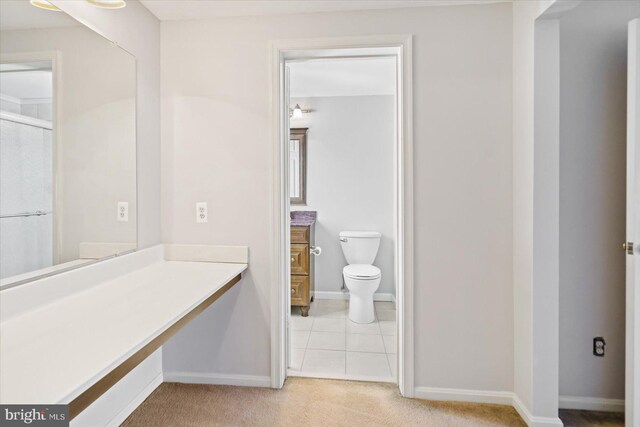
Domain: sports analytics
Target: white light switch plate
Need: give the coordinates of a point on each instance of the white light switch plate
(123, 211)
(202, 214)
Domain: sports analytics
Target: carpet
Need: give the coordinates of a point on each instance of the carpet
(308, 402)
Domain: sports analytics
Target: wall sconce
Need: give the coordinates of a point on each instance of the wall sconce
(105, 4)
(296, 112)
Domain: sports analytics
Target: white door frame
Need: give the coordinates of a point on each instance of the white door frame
(279, 51)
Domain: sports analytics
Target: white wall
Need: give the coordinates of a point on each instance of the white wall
(350, 178)
(138, 31)
(593, 96)
(524, 16)
(215, 137)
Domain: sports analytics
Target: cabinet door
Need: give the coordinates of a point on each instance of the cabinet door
(299, 259)
(299, 234)
(299, 290)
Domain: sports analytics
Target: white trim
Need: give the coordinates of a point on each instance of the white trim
(462, 395)
(591, 403)
(137, 401)
(320, 295)
(530, 419)
(218, 379)
(297, 48)
(25, 120)
(31, 101)
(487, 396)
(24, 101)
(9, 98)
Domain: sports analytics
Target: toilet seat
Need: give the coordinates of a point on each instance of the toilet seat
(361, 271)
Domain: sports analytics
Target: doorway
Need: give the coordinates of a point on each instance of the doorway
(397, 49)
(343, 204)
(579, 213)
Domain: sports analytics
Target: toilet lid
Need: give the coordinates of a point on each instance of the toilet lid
(361, 271)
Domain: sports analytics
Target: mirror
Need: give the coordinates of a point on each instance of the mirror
(298, 166)
(67, 144)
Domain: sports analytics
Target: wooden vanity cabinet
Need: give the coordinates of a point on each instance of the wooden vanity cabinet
(302, 267)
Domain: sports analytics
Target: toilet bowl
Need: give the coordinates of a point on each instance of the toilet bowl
(361, 277)
(362, 280)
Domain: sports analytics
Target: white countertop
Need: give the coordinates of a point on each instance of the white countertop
(55, 352)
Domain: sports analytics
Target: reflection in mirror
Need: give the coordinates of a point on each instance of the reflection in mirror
(298, 166)
(67, 144)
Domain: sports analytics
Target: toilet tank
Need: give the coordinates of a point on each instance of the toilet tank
(360, 247)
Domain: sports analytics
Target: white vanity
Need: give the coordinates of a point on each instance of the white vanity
(70, 337)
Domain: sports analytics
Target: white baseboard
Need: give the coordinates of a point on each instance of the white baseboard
(530, 419)
(460, 395)
(487, 396)
(137, 401)
(345, 295)
(217, 379)
(591, 403)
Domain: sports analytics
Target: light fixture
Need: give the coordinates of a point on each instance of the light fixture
(296, 113)
(109, 4)
(105, 4)
(44, 4)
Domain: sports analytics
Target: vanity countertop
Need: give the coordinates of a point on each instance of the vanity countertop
(303, 218)
(54, 353)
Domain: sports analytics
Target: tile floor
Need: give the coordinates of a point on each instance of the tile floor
(327, 344)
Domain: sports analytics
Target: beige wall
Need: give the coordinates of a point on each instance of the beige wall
(215, 141)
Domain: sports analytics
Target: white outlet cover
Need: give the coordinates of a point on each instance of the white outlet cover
(123, 211)
(202, 214)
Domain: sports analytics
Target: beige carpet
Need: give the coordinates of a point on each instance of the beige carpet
(308, 402)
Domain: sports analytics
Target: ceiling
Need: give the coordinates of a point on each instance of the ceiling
(20, 15)
(167, 10)
(343, 77)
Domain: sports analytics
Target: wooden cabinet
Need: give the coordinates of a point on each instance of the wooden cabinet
(302, 267)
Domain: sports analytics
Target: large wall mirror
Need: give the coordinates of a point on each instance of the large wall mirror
(67, 144)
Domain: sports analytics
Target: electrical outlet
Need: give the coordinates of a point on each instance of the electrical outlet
(202, 214)
(598, 346)
(123, 211)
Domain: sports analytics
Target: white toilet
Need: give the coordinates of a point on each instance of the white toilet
(361, 276)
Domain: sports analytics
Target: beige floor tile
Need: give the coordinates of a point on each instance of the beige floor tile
(390, 343)
(368, 364)
(326, 341)
(365, 343)
(327, 362)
